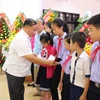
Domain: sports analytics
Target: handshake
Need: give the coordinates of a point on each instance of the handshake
(52, 61)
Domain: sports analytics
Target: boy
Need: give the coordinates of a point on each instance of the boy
(80, 68)
(94, 31)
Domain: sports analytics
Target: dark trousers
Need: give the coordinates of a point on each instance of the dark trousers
(32, 71)
(75, 92)
(66, 87)
(94, 92)
(16, 87)
(55, 82)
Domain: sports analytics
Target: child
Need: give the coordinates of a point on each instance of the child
(49, 29)
(45, 73)
(65, 84)
(94, 31)
(80, 68)
(60, 30)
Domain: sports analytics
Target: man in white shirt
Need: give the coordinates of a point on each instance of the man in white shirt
(17, 64)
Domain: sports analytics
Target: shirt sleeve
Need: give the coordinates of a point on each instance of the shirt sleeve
(87, 67)
(22, 47)
(54, 41)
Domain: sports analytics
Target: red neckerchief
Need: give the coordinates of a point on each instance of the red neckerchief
(59, 44)
(66, 61)
(93, 55)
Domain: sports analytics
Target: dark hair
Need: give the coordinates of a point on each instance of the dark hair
(29, 22)
(60, 23)
(67, 38)
(45, 37)
(80, 38)
(41, 20)
(48, 24)
(95, 21)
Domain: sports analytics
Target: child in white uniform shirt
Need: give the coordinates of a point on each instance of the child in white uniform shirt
(80, 68)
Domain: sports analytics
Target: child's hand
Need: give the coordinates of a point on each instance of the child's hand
(56, 63)
(60, 86)
(82, 97)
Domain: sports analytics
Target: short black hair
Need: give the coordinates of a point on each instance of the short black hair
(60, 23)
(29, 22)
(67, 38)
(95, 21)
(79, 38)
(41, 20)
(45, 37)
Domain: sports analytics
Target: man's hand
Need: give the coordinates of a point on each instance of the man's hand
(34, 54)
(50, 62)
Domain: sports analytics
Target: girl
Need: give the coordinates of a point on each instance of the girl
(45, 73)
(49, 29)
(64, 84)
(60, 29)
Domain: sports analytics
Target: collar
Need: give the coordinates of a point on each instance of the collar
(26, 35)
(41, 32)
(81, 55)
(63, 35)
(47, 47)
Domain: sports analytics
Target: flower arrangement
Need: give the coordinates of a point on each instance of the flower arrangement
(50, 15)
(4, 31)
(18, 24)
(83, 27)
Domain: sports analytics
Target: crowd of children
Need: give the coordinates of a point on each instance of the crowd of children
(75, 73)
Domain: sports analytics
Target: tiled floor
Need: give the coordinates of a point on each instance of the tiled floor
(4, 94)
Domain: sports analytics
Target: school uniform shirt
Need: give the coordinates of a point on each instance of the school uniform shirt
(46, 52)
(62, 49)
(67, 67)
(80, 69)
(15, 63)
(95, 67)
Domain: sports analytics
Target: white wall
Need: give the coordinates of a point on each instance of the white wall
(31, 8)
(0, 5)
(74, 6)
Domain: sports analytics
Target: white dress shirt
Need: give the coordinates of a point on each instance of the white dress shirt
(15, 63)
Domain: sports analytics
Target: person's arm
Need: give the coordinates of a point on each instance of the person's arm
(84, 95)
(60, 86)
(38, 60)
